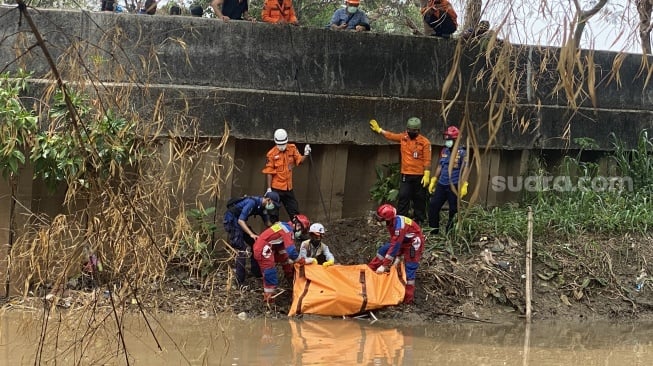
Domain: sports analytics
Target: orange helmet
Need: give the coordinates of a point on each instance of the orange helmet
(386, 212)
(303, 221)
(451, 133)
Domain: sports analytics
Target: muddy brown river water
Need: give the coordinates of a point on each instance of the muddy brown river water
(184, 340)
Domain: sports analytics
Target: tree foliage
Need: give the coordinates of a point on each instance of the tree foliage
(18, 126)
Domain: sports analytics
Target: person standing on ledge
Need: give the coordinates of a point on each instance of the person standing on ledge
(279, 164)
(449, 180)
(415, 165)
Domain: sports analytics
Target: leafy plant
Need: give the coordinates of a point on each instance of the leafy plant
(386, 187)
(18, 125)
(105, 143)
(636, 163)
(196, 247)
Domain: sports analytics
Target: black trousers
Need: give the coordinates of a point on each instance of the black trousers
(442, 26)
(289, 203)
(442, 194)
(411, 191)
(107, 5)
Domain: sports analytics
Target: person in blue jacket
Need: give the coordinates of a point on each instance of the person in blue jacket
(449, 181)
(241, 236)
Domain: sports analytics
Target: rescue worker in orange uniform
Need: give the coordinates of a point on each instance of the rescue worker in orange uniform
(406, 239)
(279, 164)
(279, 11)
(415, 165)
(276, 244)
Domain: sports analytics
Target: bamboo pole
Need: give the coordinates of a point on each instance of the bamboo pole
(529, 262)
(527, 344)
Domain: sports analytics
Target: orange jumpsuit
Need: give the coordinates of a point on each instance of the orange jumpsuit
(280, 164)
(415, 159)
(277, 11)
(415, 154)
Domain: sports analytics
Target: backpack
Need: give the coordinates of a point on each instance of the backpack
(231, 204)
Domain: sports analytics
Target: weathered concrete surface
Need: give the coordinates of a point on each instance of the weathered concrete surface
(323, 87)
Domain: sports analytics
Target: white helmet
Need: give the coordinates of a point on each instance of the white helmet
(280, 136)
(316, 229)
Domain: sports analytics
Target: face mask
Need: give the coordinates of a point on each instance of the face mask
(298, 234)
(281, 147)
(448, 143)
(413, 135)
(269, 206)
(352, 9)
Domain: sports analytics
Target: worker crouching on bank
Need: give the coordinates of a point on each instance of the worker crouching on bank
(276, 244)
(406, 239)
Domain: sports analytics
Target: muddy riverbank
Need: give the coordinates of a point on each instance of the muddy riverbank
(589, 277)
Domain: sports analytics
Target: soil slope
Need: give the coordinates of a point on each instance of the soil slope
(588, 278)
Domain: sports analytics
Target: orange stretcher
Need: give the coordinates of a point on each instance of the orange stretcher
(345, 290)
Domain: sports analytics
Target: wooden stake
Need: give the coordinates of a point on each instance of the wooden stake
(529, 262)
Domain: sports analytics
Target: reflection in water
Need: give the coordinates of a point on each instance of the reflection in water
(347, 342)
(182, 340)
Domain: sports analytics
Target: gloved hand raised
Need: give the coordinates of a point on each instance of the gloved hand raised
(380, 270)
(374, 126)
(311, 260)
(327, 264)
(307, 150)
(426, 178)
(432, 185)
(463, 190)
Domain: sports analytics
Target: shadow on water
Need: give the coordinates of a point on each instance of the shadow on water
(184, 340)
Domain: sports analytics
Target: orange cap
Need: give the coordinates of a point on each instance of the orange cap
(353, 2)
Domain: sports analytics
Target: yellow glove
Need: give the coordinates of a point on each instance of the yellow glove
(432, 185)
(426, 178)
(374, 126)
(463, 190)
(327, 263)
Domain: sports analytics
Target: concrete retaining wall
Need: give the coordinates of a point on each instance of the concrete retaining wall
(323, 87)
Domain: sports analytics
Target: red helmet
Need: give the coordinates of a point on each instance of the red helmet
(386, 212)
(303, 221)
(451, 133)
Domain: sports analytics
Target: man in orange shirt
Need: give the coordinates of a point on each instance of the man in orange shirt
(279, 11)
(415, 165)
(280, 162)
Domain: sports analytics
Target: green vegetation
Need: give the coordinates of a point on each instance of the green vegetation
(196, 251)
(386, 187)
(18, 125)
(564, 211)
(105, 142)
(618, 209)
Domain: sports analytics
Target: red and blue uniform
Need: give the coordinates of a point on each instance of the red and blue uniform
(275, 245)
(407, 240)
